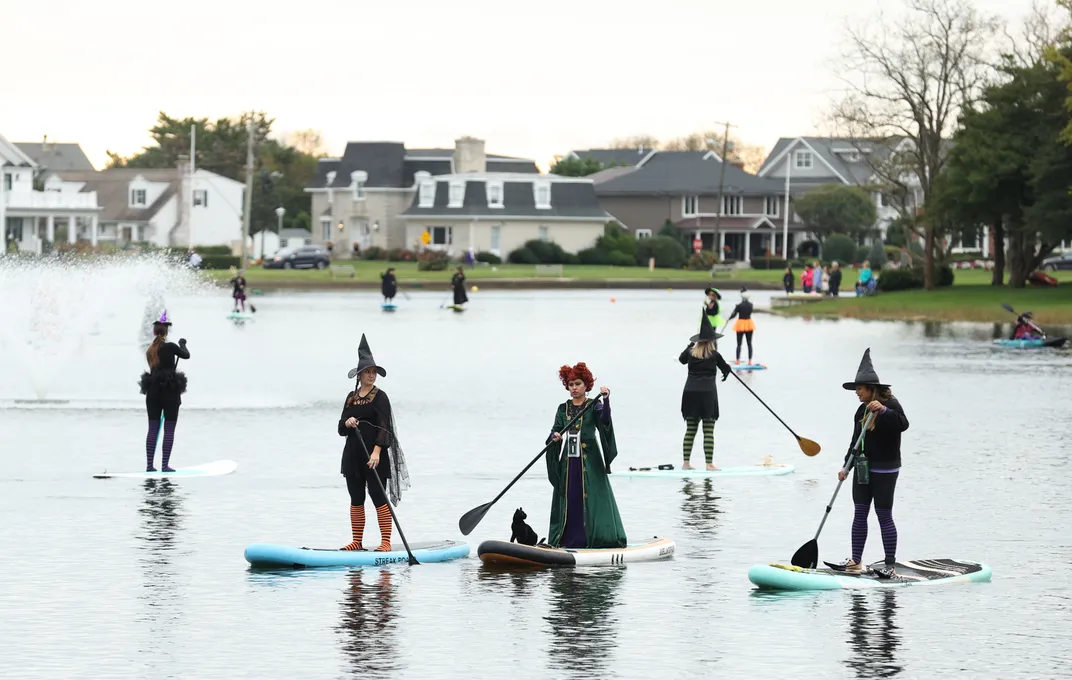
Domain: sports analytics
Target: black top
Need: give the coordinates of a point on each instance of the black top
(164, 379)
(238, 283)
(702, 372)
(389, 286)
(458, 281)
(710, 308)
(744, 309)
(835, 278)
(788, 278)
(169, 353)
(882, 445)
(373, 411)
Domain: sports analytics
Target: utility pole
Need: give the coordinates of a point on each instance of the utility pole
(721, 181)
(249, 193)
(190, 198)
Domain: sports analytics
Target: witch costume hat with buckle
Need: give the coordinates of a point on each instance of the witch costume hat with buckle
(163, 387)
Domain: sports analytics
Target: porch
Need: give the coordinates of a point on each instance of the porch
(32, 218)
(741, 239)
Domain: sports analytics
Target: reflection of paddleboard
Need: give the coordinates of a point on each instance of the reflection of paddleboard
(508, 554)
(267, 555)
(748, 367)
(214, 469)
(909, 573)
(670, 471)
(243, 316)
(388, 306)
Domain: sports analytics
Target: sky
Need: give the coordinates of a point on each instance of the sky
(532, 79)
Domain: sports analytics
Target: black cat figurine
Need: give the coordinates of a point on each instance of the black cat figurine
(520, 531)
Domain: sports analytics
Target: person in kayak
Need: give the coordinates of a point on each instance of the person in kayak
(877, 466)
(699, 399)
(744, 326)
(457, 282)
(713, 307)
(367, 417)
(163, 387)
(584, 513)
(238, 290)
(1025, 329)
(389, 285)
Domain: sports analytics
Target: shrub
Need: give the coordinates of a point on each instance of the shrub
(213, 250)
(668, 253)
(912, 277)
(598, 256)
(219, 261)
(490, 258)
(893, 253)
(877, 255)
(839, 247)
(702, 261)
(620, 259)
(373, 253)
(523, 256)
(808, 249)
(771, 263)
(943, 276)
(546, 252)
(572, 259)
(432, 260)
(863, 253)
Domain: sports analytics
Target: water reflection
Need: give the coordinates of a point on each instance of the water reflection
(582, 619)
(873, 635)
(699, 509)
(161, 512)
(368, 624)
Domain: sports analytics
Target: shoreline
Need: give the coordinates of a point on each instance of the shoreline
(510, 284)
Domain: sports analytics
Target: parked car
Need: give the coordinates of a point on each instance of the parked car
(1062, 261)
(305, 257)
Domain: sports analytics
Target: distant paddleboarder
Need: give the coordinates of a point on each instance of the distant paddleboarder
(744, 326)
(457, 282)
(877, 465)
(238, 290)
(163, 387)
(712, 307)
(699, 399)
(389, 285)
(584, 513)
(367, 414)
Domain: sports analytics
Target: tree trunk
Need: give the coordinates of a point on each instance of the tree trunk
(1021, 255)
(997, 231)
(928, 257)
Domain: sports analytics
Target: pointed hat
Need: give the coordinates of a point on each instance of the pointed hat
(365, 360)
(163, 320)
(865, 375)
(707, 332)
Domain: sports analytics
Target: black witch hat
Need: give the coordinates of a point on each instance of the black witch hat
(707, 332)
(365, 360)
(865, 375)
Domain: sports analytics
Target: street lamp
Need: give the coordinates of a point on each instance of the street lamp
(279, 212)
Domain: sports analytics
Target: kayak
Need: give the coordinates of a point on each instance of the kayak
(508, 554)
(1033, 343)
(388, 306)
(243, 316)
(748, 367)
(271, 555)
(914, 573)
(743, 471)
(216, 468)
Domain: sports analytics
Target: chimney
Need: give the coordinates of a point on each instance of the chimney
(469, 155)
(44, 145)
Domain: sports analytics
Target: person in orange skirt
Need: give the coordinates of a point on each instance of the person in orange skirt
(744, 326)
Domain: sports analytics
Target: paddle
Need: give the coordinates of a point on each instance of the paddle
(1009, 308)
(376, 476)
(808, 554)
(809, 447)
(469, 520)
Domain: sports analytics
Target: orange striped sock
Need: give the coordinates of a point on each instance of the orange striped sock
(357, 524)
(383, 516)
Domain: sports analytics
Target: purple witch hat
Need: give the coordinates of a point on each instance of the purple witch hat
(163, 320)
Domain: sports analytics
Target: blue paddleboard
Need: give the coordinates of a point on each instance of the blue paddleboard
(271, 555)
(932, 572)
(748, 367)
(243, 316)
(388, 306)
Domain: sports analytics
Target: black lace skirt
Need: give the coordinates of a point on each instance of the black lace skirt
(163, 382)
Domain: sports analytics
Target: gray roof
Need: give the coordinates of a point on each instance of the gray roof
(293, 232)
(568, 199)
(677, 173)
(12, 155)
(391, 164)
(58, 157)
(112, 188)
(614, 157)
(834, 151)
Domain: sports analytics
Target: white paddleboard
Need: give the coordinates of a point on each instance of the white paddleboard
(216, 468)
(240, 316)
(743, 471)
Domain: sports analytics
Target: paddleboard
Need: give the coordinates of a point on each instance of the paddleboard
(1031, 344)
(456, 308)
(214, 469)
(271, 555)
(507, 554)
(388, 306)
(240, 316)
(748, 367)
(914, 573)
(742, 471)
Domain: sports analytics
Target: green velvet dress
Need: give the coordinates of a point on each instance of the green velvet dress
(593, 502)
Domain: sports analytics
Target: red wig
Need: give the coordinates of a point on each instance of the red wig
(578, 372)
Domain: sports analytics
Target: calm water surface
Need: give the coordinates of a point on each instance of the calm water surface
(133, 579)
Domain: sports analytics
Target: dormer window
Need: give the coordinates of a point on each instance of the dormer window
(542, 194)
(357, 183)
(329, 178)
(427, 193)
(457, 194)
(495, 194)
(802, 160)
(137, 197)
(54, 184)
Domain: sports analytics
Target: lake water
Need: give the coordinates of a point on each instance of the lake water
(130, 579)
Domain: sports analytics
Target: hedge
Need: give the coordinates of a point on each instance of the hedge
(768, 263)
(490, 258)
(668, 253)
(219, 261)
(912, 278)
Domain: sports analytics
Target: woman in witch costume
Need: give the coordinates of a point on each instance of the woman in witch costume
(877, 464)
(699, 399)
(584, 513)
(367, 422)
(162, 386)
(713, 307)
(457, 282)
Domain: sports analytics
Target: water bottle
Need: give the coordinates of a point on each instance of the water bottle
(863, 470)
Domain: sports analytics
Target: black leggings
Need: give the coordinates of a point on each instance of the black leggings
(879, 489)
(168, 405)
(356, 486)
(748, 336)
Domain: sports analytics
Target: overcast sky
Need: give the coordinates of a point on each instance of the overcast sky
(534, 79)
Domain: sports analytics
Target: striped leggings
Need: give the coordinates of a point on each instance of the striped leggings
(880, 491)
(691, 425)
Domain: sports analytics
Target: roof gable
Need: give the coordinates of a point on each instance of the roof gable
(569, 199)
(685, 173)
(53, 156)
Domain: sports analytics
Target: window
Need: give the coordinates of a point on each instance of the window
(457, 194)
(802, 159)
(643, 233)
(853, 157)
(54, 184)
(884, 200)
(772, 208)
(325, 228)
(495, 194)
(7, 182)
(201, 197)
(731, 205)
(542, 195)
(442, 236)
(137, 197)
(543, 233)
(496, 238)
(357, 182)
(427, 194)
(691, 205)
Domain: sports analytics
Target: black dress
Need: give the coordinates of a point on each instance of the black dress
(699, 399)
(458, 282)
(164, 385)
(373, 411)
(389, 287)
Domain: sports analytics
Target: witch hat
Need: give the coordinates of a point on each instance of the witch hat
(163, 320)
(365, 360)
(865, 375)
(707, 332)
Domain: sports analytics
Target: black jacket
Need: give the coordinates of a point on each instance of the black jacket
(882, 445)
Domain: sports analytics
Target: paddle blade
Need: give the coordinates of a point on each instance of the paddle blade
(809, 447)
(470, 519)
(807, 557)
(1008, 307)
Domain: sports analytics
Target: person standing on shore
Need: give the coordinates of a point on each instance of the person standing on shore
(835, 279)
(788, 280)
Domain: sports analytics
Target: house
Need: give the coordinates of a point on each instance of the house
(682, 188)
(165, 207)
(28, 216)
(487, 210)
(359, 197)
(53, 156)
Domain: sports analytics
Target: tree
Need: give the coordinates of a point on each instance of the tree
(575, 167)
(749, 156)
(635, 142)
(837, 209)
(907, 82)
